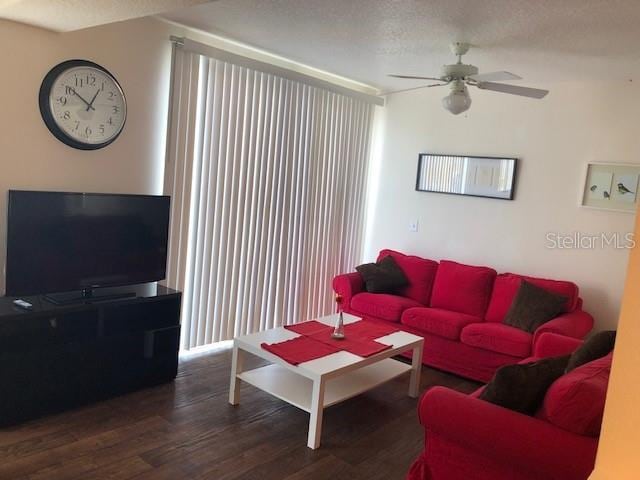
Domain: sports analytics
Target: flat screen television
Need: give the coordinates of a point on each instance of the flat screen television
(60, 242)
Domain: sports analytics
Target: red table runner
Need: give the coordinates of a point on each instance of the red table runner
(300, 349)
(363, 347)
(315, 341)
(369, 329)
(309, 328)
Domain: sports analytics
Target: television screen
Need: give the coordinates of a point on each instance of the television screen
(59, 242)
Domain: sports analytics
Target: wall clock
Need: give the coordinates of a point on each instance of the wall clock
(82, 104)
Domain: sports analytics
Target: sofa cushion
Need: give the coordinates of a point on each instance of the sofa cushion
(597, 346)
(435, 321)
(533, 306)
(506, 287)
(575, 401)
(522, 387)
(420, 274)
(462, 288)
(499, 338)
(382, 305)
(384, 276)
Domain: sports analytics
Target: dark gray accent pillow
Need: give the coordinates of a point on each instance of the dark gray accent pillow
(382, 277)
(534, 306)
(522, 387)
(595, 347)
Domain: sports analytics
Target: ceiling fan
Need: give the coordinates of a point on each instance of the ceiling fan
(459, 75)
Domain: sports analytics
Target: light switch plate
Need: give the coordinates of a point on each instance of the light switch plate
(413, 226)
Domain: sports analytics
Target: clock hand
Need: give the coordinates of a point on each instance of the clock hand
(85, 102)
(90, 104)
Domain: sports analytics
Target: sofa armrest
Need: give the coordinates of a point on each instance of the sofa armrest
(505, 436)
(348, 285)
(553, 345)
(576, 324)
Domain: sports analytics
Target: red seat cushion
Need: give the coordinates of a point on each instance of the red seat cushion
(420, 273)
(506, 287)
(443, 323)
(382, 305)
(497, 337)
(462, 288)
(575, 402)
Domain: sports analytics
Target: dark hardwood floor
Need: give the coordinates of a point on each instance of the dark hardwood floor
(187, 430)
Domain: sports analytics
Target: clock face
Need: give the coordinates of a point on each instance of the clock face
(82, 104)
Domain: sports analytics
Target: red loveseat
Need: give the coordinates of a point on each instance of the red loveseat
(459, 310)
(468, 438)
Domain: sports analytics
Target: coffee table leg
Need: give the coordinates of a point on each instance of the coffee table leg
(236, 368)
(317, 409)
(416, 369)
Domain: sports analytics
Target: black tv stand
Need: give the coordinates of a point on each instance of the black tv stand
(56, 357)
(88, 295)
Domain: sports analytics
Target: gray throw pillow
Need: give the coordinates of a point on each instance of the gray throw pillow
(522, 387)
(382, 277)
(534, 306)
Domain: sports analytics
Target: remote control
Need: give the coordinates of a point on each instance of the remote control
(23, 304)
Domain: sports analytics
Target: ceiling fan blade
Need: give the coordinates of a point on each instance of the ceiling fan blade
(412, 77)
(494, 77)
(513, 89)
(414, 88)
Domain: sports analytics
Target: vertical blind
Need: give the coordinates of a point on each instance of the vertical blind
(268, 182)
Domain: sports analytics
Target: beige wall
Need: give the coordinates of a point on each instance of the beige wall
(138, 54)
(554, 138)
(618, 457)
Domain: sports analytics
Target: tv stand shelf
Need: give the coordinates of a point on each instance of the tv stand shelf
(56, 357)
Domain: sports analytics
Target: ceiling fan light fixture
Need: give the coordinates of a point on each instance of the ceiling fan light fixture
(457, 101)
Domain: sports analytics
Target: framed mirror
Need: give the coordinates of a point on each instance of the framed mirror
(490, 177)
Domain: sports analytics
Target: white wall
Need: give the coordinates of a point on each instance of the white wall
(554, 138)
(138, 54)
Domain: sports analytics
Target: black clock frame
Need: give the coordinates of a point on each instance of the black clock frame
(45, 110)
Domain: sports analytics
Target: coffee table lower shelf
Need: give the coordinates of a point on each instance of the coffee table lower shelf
(297, 390)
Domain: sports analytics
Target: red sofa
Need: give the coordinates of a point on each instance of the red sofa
(459, 310)
(468, 438)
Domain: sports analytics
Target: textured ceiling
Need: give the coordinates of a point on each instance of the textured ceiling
(541, 40)
(67, 15)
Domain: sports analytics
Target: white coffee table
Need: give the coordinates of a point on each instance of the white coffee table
(312, 386)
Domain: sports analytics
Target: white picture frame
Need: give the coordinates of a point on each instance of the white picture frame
(611, 187)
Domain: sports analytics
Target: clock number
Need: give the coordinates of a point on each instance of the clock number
(101, 127)
(79, 82)
(77, 125)
(110, 96)
(91, 81)
(63, 101)
(69, 90)
(102, 87)
(116, 109)
(67, 115)
(87, 131)
(110, 121)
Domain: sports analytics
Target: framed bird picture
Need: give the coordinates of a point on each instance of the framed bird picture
(611, 186)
